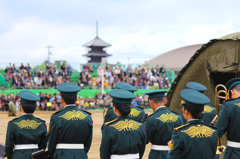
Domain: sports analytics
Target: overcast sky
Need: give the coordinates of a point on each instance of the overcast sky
(138, 29)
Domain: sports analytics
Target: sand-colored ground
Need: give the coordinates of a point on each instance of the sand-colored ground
(97, 123)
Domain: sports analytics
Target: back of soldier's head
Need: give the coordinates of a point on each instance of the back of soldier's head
(28, 107)
(28, 101)
(69, 99)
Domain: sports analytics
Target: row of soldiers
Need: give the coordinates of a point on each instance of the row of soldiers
(124, 135)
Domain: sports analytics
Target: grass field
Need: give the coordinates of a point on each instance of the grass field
(45, 115)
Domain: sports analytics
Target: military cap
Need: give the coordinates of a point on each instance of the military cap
(122, 96)
(196, 86)
(155, 93)
(126, 86)
(194, 98)
(28, 96)
(232, 82)
(68, 89)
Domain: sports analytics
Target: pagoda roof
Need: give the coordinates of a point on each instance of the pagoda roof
(97, 54)
(97, 42)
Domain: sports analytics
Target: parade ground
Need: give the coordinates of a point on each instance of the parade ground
(97, 117)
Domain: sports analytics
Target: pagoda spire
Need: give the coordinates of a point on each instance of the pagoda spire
(97, 28)
(97, 45)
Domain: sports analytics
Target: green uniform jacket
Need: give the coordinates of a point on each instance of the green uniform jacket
(136, 113)
(160, 126)
(228, 121)
(208, 114)
(123, 135)
(195, 140)
(26, 129)
(70, 126)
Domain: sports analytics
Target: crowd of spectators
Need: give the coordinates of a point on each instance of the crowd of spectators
(141, 77)
(25, 77)
(50, 102)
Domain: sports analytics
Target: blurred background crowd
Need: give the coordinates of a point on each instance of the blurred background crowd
(50, 102)
(24, 77)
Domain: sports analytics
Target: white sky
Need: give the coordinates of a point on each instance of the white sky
(138, 29)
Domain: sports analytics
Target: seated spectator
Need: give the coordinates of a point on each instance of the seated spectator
(63, 67)
(21, 67)
(69, 70)
(7, 70)
(108, 73)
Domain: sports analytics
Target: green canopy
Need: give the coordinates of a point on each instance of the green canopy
(214, 63)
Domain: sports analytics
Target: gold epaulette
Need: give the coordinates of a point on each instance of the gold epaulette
(56, 113)
(181, 126)
(111, 121)
(86, 112)
(211, 126)
(105, 111)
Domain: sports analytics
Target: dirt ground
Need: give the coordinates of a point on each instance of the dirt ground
(97, 123)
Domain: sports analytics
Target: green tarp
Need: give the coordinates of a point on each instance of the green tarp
(215, 63)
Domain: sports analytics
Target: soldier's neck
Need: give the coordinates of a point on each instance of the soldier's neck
(157, 106)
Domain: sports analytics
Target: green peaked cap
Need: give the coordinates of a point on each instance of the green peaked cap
(194, 98)
(68, 89)
(232, 82)
(122, 96)
(196, 86)
(155, 93)
(126, 86)
(28, 96)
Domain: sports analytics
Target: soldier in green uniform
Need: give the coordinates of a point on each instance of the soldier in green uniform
(196, 139)
(160, 124)
(12, 108)
(26, 134)
(123, 137)
(229, 118)
(209, 110)
(136, 111)
(70, 133)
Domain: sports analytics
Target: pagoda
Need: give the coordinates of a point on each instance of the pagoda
(96, 52)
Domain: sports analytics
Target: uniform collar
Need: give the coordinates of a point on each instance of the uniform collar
(161, 108)
(195, 121)
(123, 116)
(27, 114)
(69, 106)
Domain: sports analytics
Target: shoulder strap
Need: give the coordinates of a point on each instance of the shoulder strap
(174, 112)
(86, 112)
(40, 119)
(111, 121)
(140, 107)
(210, 126)
(177, 128)
(56, 113)
(14, 119)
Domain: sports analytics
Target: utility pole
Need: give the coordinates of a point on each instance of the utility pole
(49, 53)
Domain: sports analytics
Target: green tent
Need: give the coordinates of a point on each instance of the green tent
(214, 63)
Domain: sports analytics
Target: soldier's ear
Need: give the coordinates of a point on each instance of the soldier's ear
(165, 100)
